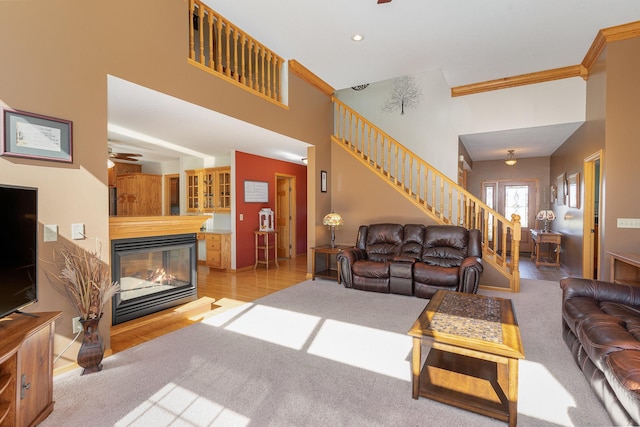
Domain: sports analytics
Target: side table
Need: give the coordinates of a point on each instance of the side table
(329, 256)
(265, 245)
(551, 237)
(625, 268)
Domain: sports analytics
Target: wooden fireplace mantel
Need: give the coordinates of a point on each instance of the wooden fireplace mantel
(124, 227)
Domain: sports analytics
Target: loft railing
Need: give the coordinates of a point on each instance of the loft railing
(440, 197)
(217, 45)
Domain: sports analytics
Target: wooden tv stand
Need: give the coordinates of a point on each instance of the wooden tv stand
(26, 368)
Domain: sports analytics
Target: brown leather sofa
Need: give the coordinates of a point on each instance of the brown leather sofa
(601, 326)
(413, 259)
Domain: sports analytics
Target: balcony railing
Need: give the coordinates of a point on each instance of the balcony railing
(219, 46)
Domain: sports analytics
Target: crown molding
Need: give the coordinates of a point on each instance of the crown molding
(609, 35)
(521, 80)
(604, 36)
(304, 73)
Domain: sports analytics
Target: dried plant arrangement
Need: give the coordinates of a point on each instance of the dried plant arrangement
(84, 279)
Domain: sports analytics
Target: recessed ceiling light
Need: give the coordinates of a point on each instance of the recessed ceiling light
(357, 37)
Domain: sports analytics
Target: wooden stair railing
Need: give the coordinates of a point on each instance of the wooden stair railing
(218, 46)
(426, 187)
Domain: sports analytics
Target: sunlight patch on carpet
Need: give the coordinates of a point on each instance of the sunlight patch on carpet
(375, 350)
(538, 388)
(221, 318)
(283, 327)
(174, 405)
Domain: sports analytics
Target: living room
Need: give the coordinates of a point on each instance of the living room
(72, 86)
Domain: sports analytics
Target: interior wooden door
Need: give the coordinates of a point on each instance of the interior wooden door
(591, 231)
(285, 216)
(172, 194)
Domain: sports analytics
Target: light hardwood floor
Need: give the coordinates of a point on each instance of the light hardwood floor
(228, 289)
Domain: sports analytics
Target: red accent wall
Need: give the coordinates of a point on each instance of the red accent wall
(257, 168)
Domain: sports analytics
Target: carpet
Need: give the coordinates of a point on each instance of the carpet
(316, 354)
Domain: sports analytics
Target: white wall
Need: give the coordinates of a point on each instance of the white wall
(542, 104)
(432, 129)
(426, 130)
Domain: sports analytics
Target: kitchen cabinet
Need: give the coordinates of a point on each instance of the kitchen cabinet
(121, 169)
(218, 248)
(223, 193)
(208, 190)
(139, 194)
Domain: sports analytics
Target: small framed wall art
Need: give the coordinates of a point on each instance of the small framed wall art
(37, 137)
(256, 191)
(573, 190)
(323, 181)
(561, 189)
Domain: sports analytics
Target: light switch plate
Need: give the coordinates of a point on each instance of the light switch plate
(628, 222)
(50, 233)
(77, 231)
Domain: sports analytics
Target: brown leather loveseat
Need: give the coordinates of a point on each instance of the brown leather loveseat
(413, 259)
(601, 326)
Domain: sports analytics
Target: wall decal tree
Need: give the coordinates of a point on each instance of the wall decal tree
(404, 94)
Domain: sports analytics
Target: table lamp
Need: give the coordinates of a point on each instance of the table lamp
(332, 220)
(546, 215)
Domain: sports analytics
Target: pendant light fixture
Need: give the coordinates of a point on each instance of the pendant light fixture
(511, 158)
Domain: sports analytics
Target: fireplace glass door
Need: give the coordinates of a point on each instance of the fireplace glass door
(154, 273)
(149, 272)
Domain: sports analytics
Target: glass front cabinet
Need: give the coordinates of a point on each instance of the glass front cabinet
(208, 190)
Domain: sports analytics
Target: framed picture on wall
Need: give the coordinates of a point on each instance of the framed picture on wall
(37, 137)
(256, 192)
(561, 188)
(323, 181)
(573, 190)
(552, 193)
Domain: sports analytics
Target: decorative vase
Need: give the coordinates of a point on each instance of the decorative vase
(92, 349)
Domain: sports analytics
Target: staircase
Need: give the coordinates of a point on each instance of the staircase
(438, 196)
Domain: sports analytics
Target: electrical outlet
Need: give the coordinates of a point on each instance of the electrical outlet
(76, 325)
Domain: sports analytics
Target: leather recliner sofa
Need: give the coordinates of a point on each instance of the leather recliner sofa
(413, 259)
(601, 326)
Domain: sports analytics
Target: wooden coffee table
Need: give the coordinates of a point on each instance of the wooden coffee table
(475, 347)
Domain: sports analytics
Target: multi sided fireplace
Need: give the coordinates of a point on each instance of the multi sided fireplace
(155, 273)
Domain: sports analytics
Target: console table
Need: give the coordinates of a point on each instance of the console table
(625, 268)
(549, 237)
(268, 242)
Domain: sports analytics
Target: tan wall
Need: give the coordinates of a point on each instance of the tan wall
(613, 108)
(569, 159)
(57, 58)
(43, 73)
(622, 150)
(362, 198)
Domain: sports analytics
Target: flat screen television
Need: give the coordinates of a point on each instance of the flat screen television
(18, 248)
